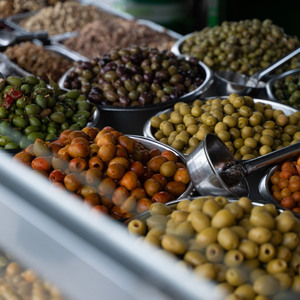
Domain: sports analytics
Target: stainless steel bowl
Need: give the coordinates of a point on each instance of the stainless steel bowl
(271, 82)
(207, 82)
(151, 144)
(264, 188)
(130, 120)
(176, 48)
(148, 130)
(225, 81)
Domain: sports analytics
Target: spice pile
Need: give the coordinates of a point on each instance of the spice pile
(37, 60)
(99, 37)
(63, 17)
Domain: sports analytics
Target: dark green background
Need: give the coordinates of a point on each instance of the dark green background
(285, 13)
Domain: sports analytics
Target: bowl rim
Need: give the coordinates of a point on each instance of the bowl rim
(177, 45)
(203, 87)
(190, 187)
(147, 126)
(264, 190)
(271, 82)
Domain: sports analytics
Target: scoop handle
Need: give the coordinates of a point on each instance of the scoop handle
(281, 61)
(41, 35)
(277, 156)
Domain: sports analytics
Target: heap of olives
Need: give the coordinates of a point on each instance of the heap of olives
(249, 129)
(250, 252)
(111, 172)
(135, 76)
(287, 90)
(245, 47)
(29, 109)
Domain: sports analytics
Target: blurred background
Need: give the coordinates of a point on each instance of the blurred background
(185, 16)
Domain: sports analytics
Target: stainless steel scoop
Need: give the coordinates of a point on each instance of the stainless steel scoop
(214, 171)
(7, 37)
(231, 82)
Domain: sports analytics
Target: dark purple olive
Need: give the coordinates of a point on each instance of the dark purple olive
(124, 101)
(145, 98)
(95, 95)
(165, 98)
(163, 74)
(147, 77)
(120, 70)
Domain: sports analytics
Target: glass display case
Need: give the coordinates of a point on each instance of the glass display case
(85, 255)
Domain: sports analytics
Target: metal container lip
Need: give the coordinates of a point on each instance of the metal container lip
(64, 51)
(285, 108)
(264, 189)
(221, 75)
(13, 66)
(207, 82)
(176, 48)
(221, 181)
(158, 145)
(271, 82)
(159, 28)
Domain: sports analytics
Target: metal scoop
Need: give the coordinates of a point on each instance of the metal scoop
(214, 171)
(231, 82)
(7, 37)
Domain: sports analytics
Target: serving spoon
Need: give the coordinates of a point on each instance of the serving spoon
(7, 37)
(240, 83)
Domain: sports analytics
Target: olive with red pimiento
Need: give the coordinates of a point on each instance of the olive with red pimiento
(29, 109)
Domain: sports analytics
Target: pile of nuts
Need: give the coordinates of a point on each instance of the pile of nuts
(63, 17)
(11, 7)
(39, 61)
(109, 171)
(23, 284)
(99, 37)
(249, 251)
(247, 128)
(285, 184)
(135, 76)
(245, 47)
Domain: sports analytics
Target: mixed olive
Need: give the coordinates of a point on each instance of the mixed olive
(249, 251)
(285, 184)
(287, 90)
(111, 172)
(135, 76)
(31, 109)
(245, 47)
(19, 283)
(249, 129)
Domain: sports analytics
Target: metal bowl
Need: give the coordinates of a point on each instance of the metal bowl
(151, 144)
(264, 188)
(148, 131)
(172, 205)
(224, 81)
(271, 82)
(130, 120)
(176, 48)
